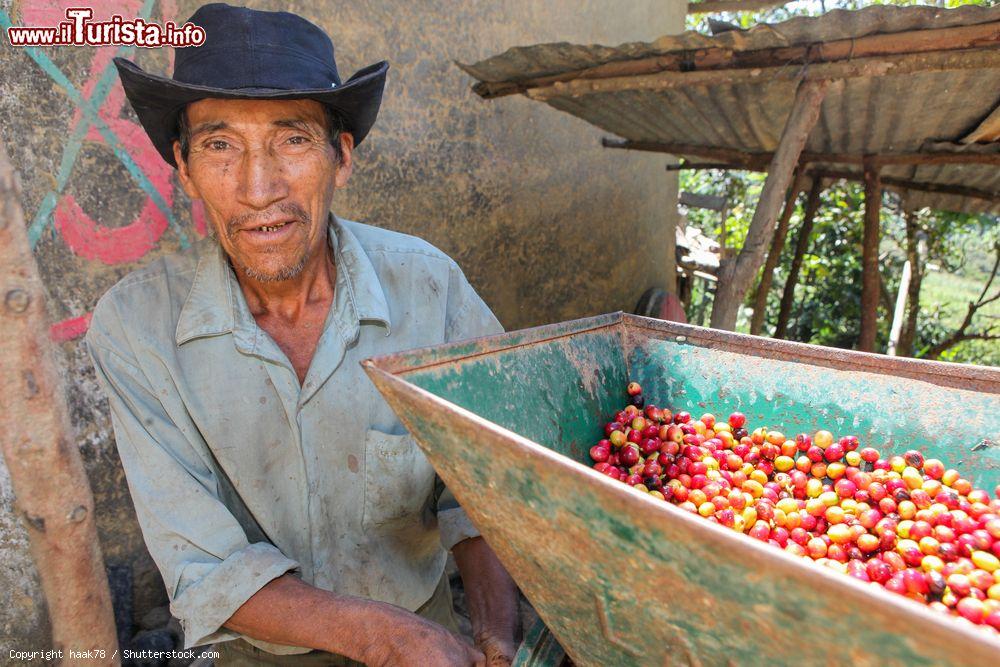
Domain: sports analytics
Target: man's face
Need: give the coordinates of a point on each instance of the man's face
(266, 173)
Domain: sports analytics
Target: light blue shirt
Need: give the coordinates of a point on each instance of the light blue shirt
(238, 473)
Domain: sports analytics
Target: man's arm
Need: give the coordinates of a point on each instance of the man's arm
(289, 611)
(491, 596)
(220, 585)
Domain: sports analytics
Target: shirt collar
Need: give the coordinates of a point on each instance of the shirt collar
(215, 302)
(356, 275)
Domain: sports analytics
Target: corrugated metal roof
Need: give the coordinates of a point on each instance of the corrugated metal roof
(903, 107)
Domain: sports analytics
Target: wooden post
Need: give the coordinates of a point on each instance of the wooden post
(897, 314)
(916, 250)
(736, 274)
(774, 254)
(869, 260)
(46, 472)
(788, 295)
(670, 243)
(723, 231)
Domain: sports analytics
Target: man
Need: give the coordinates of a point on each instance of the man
(280, 497)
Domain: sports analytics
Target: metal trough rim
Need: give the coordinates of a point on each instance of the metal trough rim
(985, 379)
(388, 371)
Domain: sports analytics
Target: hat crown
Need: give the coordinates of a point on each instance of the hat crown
(250, 49)
(254, 55)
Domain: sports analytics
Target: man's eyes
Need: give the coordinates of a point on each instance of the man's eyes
(219, 145)
(214, 145)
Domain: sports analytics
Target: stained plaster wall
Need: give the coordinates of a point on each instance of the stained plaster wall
(547, 225)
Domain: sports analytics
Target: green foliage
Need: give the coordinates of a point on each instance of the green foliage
(960, 260)
(827, 304)
(828, 316)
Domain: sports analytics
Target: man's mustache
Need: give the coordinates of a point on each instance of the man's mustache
(247, 220)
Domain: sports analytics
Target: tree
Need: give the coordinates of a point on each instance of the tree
(916, 259)
(824, 306)
(965, 330)
(960, 320)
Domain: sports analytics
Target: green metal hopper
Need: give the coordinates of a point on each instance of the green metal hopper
(623, 579)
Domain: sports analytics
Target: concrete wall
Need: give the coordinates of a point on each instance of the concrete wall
(547, 225)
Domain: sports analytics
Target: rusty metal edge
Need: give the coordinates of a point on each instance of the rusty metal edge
(954, 375)
(984, 379)
(422, 358)
(912, 615)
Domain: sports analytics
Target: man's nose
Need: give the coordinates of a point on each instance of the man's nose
(262, 178)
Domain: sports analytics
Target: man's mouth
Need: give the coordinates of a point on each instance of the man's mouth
(271, 228)
(270, 231)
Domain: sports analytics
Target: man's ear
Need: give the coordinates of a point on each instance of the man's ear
(346, 165)
(182, 173)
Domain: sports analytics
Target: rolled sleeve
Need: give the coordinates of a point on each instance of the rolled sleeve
(220, 588)
(201, 549)
(453, 523)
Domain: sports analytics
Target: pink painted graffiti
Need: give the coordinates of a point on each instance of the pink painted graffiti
(81, 232)
(116, 245)
(85, 236)
(71, 328)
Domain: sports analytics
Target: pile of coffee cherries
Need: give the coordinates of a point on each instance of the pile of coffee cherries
(904, 522)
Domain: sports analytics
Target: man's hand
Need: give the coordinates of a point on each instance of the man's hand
(499, 652)
(288, 611)
(408, 639)
(492, 599)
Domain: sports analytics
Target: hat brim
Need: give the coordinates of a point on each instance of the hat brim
(158, 100)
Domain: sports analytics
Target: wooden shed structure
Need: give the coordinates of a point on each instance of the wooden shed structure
(905, 98)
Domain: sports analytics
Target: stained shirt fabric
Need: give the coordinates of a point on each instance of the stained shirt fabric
(239, 474)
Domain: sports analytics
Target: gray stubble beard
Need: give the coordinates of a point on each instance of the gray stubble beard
(286, 273)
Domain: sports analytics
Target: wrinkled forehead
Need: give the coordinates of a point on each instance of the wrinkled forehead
(250, 115)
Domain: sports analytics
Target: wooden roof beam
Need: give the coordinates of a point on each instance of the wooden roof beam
(754, 160)
(716, 6)
(698, 166)
(718, 58)
(730, 156)
(903, 184)
(910, 63)
(897, 183)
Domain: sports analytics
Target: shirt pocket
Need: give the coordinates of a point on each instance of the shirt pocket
(399, 482)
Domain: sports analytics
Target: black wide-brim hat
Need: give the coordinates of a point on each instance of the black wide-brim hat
(256, 55)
